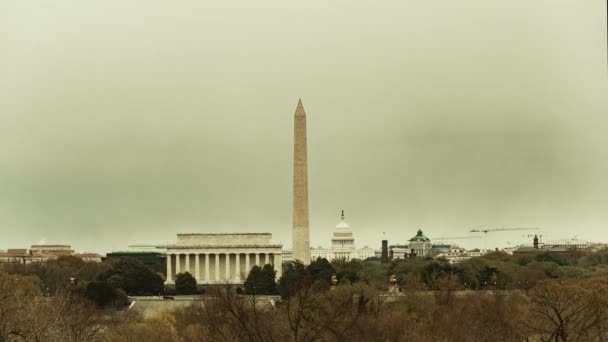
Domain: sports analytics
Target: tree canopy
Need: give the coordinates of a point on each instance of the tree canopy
(185, 284)
(135, 278)
(261, 281)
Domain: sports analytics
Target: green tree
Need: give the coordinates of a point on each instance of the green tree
(373, 272)
(551, 257)
(488, 276)
(526, 278)
(593, 259)
(135, 278)
(348, 271)
(471, 270)
(551, 269)
(260, 281)
(104, 295)
(321, 270)
(185, 284)
(434, 271)
(294, 276)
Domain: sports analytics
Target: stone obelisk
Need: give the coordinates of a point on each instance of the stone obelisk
(301, 236)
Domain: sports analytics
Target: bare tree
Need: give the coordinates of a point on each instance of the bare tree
(315, 314)
(565, 311)
(16, 295)
(232, 317)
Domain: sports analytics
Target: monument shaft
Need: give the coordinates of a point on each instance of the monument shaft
(301, 235)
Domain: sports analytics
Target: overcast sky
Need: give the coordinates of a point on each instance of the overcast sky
(127, 122)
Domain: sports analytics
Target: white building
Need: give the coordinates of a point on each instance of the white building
(221, 258)
(573, 244)
(342, 246)
(42, 253)
(421, 244)
(287, 255)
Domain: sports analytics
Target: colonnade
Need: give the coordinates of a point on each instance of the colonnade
(219, 267)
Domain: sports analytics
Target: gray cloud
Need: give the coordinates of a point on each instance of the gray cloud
(122, 123)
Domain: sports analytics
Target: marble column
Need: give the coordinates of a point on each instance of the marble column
(266, 259)
(257, 259)
(217, 268)
(247, 266)
(207, 280)
(177, 265)
(238, 268)
(187, 264)
(228, 267)
(169, 275)
(197, 267)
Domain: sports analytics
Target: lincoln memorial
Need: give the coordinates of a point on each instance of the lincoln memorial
(221, 258)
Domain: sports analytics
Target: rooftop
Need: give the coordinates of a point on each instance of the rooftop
(220, 234)
(420, 237)
(46, 246)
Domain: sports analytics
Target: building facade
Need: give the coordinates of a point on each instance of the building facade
(221, 258)
(342, 246)
(421, 245)
(41, 253)
(571, 244)
(564, 246)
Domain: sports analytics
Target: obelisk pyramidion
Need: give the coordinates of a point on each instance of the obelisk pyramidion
(301, 235)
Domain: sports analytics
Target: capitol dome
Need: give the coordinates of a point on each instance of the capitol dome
(343, 236)
(342, 225)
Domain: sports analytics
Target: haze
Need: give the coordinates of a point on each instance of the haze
(127, 122)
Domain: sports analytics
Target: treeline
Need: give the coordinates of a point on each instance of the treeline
(567, 310)
(494, 271)
(563, 310)
(546, 297)
(106, 284)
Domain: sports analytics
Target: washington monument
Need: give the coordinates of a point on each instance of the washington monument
(301, 235)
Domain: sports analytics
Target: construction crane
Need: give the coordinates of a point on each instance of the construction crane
(457, 238)
(503, 229)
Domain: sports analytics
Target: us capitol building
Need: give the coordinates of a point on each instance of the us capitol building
(342, 246)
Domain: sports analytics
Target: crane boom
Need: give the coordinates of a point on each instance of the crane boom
(485, 231)
(458, 238)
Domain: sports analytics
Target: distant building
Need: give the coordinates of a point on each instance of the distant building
(399, 251)
(564, 246)
(52, 249)
(17, 255)
(421, 245)
(573, 244)
(342, 246)
(40, 253)
(456, 254)
(287, 255)
(221, 258)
